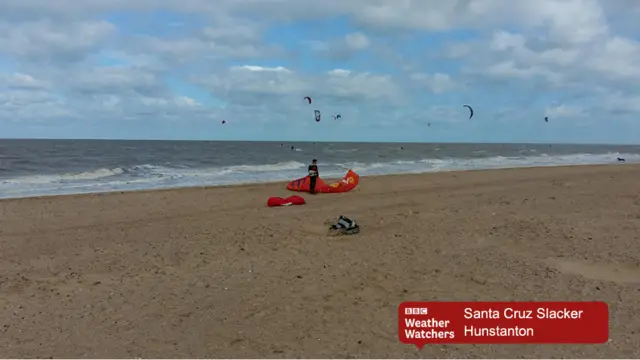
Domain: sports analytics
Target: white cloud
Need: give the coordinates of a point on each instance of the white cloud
(563, 111)
(339, 72)
(256, 86)
(551, 46)
(342, 48)
(617, 58)
(357, 41)
(181, 101)
(48, 41)
(256, 68)
(437, 83)
(19, 81)
(504, 40)
(114, 80)
(58, 60)
(619, 103)
(187, 101)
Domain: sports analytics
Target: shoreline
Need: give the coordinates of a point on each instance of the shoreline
(284, 182)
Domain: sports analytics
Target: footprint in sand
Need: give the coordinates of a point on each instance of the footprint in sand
(618, 273)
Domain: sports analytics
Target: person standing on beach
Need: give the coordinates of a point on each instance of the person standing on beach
(313, 175)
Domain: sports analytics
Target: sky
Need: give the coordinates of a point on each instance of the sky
(395, 70)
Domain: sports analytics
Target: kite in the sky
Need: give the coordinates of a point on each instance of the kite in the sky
(308, 99)
(317, 112)
(336, 117)
(546, 119)
(224, 122)
(470, 110)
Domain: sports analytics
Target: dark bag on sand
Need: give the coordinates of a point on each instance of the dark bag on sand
(344, 226)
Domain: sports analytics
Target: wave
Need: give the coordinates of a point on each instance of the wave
(494, 162)
(149, 176)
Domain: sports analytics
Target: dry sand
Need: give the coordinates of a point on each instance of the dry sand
(215, 273)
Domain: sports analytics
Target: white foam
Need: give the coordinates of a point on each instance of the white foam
(496, 162)
(149, 176)
(289, 165)
(45, 179)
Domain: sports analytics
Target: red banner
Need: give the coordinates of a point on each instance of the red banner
(422, 323)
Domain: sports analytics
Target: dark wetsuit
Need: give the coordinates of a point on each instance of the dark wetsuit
(313, 176)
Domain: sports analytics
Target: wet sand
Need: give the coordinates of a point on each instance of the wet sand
(213, 272)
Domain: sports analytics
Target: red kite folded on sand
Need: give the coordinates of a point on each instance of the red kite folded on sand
(348, 183)
(291, 200)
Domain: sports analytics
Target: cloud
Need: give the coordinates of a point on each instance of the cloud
(44, 40)
(343, 48)
(19, 81)
(253, 85)
(563, 111)
(93, 67)
(221, 39)
(437, 83)
(357, 41)
(114, 80)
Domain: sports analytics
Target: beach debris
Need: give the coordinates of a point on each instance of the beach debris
(344, 226)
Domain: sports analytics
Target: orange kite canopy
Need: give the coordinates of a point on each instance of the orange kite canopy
(348, 183)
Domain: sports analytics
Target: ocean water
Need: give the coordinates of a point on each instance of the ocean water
(50, 167)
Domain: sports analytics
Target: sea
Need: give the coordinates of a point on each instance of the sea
(54, 167)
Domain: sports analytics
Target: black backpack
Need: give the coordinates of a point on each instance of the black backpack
(345, 226)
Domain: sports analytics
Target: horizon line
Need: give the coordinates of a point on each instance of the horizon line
(326, 142)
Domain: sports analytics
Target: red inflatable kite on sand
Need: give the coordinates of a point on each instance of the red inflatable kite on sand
(348, 183)
(291, 200)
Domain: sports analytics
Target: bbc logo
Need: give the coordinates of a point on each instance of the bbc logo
(416, 311)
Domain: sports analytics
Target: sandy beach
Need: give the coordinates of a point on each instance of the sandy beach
(213, 272)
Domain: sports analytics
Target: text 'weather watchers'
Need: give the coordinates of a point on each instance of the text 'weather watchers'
(421, 323)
